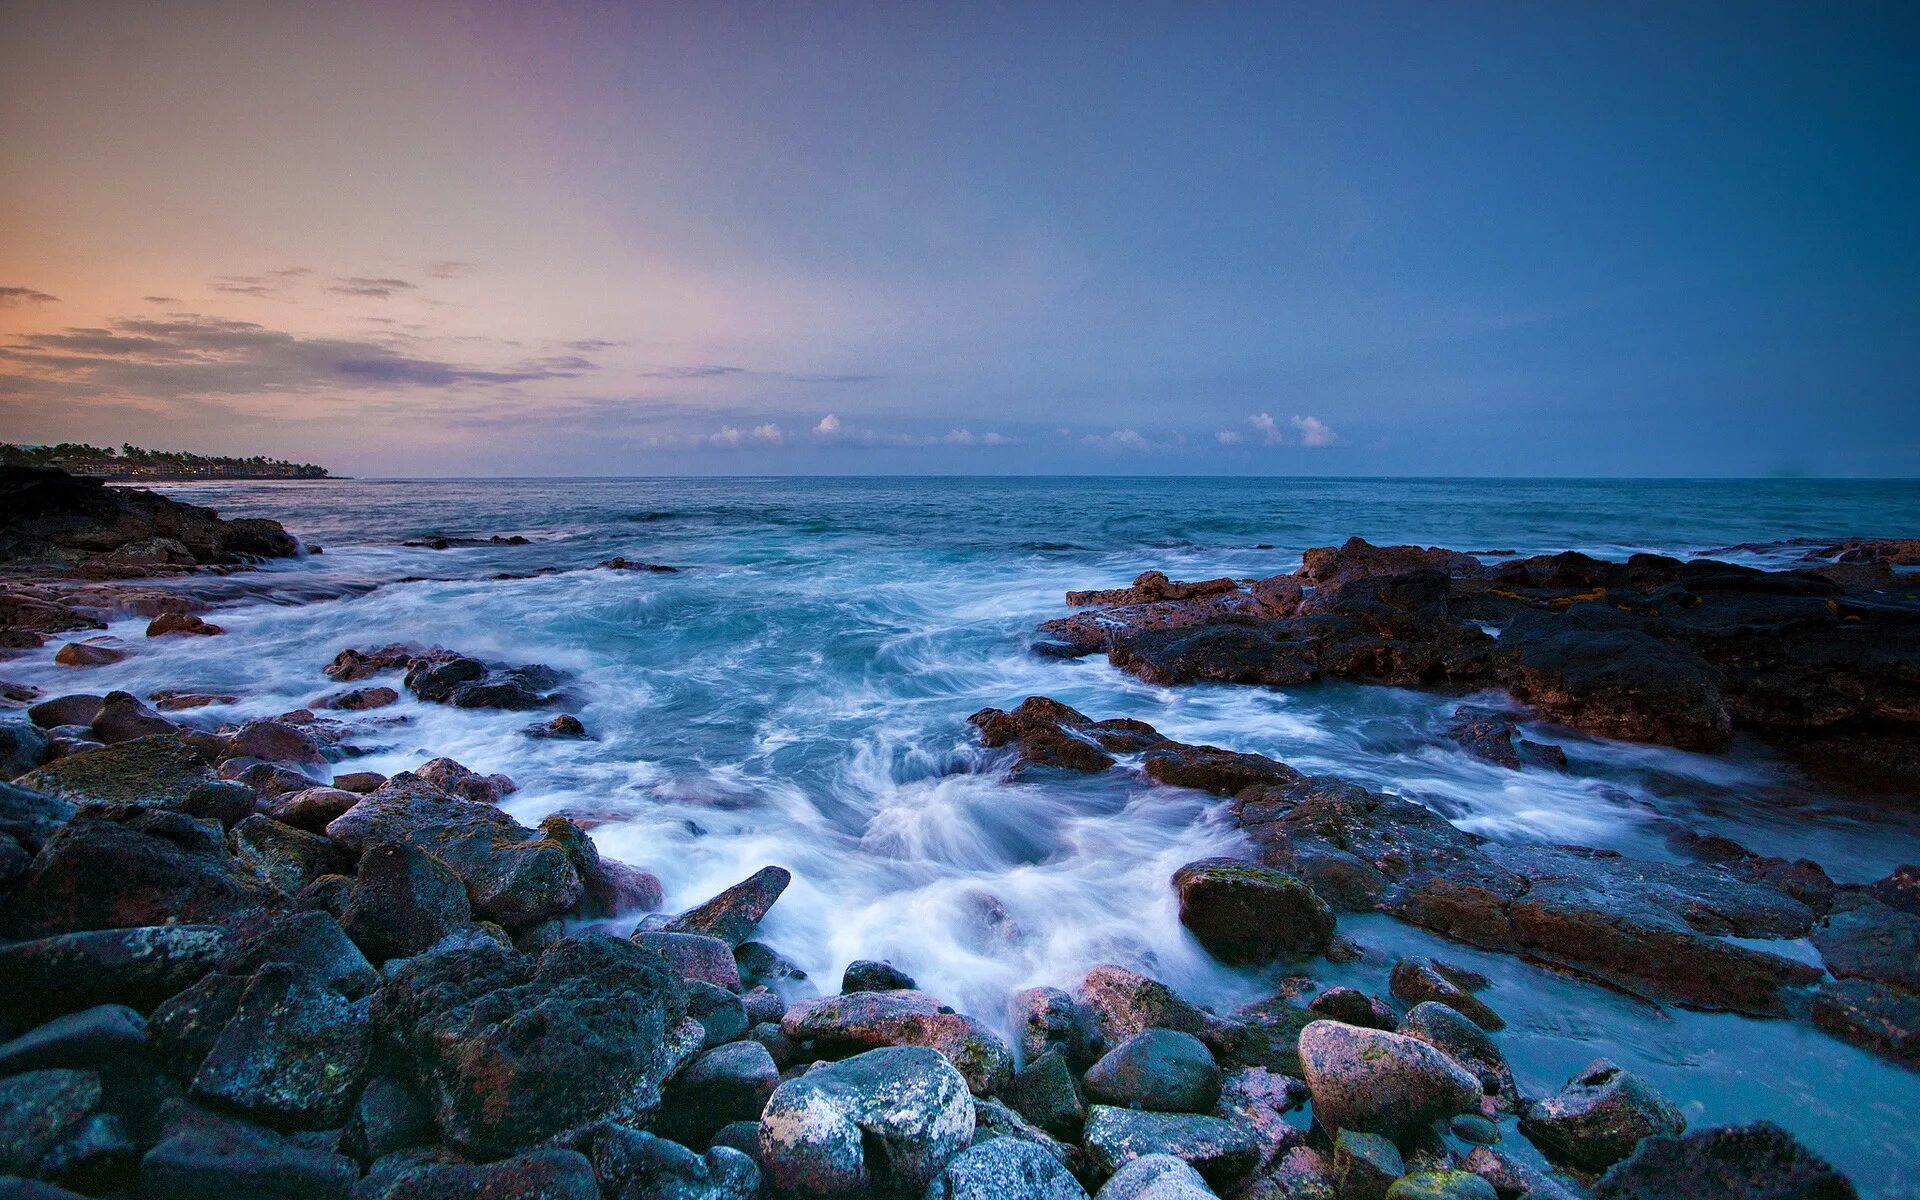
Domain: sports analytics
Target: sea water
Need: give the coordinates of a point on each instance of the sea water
(797, 693)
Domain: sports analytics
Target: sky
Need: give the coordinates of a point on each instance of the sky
(415, 239)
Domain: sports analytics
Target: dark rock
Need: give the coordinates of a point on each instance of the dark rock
(695, 956)
(311, 809)
(168, 867)
(184, 1028)
(1385, 1083)
(219, 1157)
(188, 623)
(387, 1117)
(359, 699)
(1760, 1161)
(726, 1084)
(293, 1054)
(22, 748)
(1047, 1018)
(1354, 1007)
(1494, 737)
(94, 1038)
(157, 771)
(135, 967)
(1616, 682)
(1599, 1117)
(865, 975)
(1417, 979)
(1220, 1150)
(98, 1155)
(1365, 1165)
(1211, 769)
(311, 942)
(1121, 1003)
(1045, 1092)
(1005, 1169)
(73, 709)
(456, 780)
(1865, 939)
(349, 665)
(32, 818)
(889, 1120)
(40, 1108)
(722, 1016)
(360, 783)
(734, 914)
(87, 654)
(403, 901)
(622, 564)
(1471, 1127)
(1512, 1177)
(469, 683)
(508, 1049)
(275, 741)
(1881, 1018)
(1447, 1030)
(863, 1020)
(285, 857)
(763, 1005)
(121, 717)
(761, 965)
(1046, 733)
(630, 1165)
(1218, 654)
(1158, 1069)
(1900, 890)
(266, 779)
(1245, 913)
(169, 701)
(1441, 1185)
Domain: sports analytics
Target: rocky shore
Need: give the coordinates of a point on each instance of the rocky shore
(237, 966)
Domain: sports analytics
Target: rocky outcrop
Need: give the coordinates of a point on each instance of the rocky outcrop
(1245, 913)
(1760, 1161)
(57, 521)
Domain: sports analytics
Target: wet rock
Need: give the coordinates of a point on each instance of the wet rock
(1330, 568)
(168, 867)
(695, 956)
(1354, 1007)
(312, 943)
(1900, 889)
(889, 1119)
(1441, 1185)
(721, 1014)
(294, 1053)
(630, 1165)
(93, 1038)
(1151, 586)
(1155, 1177)
(359, 699)
(78, 523)
(1258, 1100)
(863, 1020)
(511, 875)
(98, 1155)
(1881, 1018)
(1616, 682)
(1494, 736)
(75, 708)
(1123, 1002)
(456, 780)
(1211, 769)
(387, 1117)
(87, 654)
(1158, 1069)
(1418, 979)
(285, 857)
(360, 783)
(1219, 1150)
(1469, 1127)
(1047, 1018)
(1005, 1169)
(1448, 1030)
(725, 1084)
(311, 809)
(1384, 1083)
(1045, 1092)
(1365, 1165)
(1511, 1177)
(403, 901)
(734, 914)
(1218, 654)
(1760, 1161)
(349, 665)
(1865, 939)
(614, 889)
(1301, 1173)
(187, 623)
(764, 1005)
(31, 818)
(183, 1029)
(37, 1110)
(121, 717)
(992, 1119)
(168, 701)
(865, 975)
(1246, 913)
(1047, 733)
(135, 967)
(22, 748)
(219, 1157)
(266, 779)
(509, 1049)
(158, 772)
(274, 741)
(470, 683)
(1599, 1117)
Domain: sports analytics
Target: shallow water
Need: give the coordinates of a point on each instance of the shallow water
(799, 693)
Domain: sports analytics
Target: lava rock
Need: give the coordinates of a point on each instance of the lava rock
(403, 901)
(387, 1117)
(1760, 1161)
(1599, 1117)
(892, 1117)
(359, 699)
(734, 914)
(158, 771)
(294, 1053)
(1245, 913)
(1384, 1083)
(1162, 1070)
(220, 1157)
(136, 967)
(862, 1020)
(865, 975)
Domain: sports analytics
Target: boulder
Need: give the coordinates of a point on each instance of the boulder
(1882, 1018)
(87, 654)
(75, 708)
(1220, 1150)
(1441, 1185)
(22, 748)
(1162, 1070)
(358, 699)
(565, 726)
(294, 1053)
(135, 967)
(187, 623)
(1760, 1161)
(631, 1165)
(311, 942)
(350, 664)
(725, 1084)
(1211, 769)
(1246, 913)
(275, 741)
(1599, 1117)
(1004, 1168)
(470, 683)
(695, 956)
(1448, 1030)
(1863, 938)
(864, 975)
(100, 1037)
(211, 1156)
(1045, 1092)
(1121, 1003)
(454, 779)
(285, 857)
(1420, 979)
(1365, 1165)
(311, 809)
(403, 901)
(1155, 1177)
(121, 717)
(1047, 1018)
(1376, 1082)
(889, 1120)
(734, 914)
(863, 1020)
(1354, 1007)
(388, 1117)
(38, 1110)
(157, 771)
(1047, 733)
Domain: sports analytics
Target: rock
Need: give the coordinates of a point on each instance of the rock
(863, 1020)
(184, 1028)
(1046, 1093)
(1300, 1173)
(1047, 1018)
(159, 772)
(1417, 979)
(1162, 1070)
(1760, 1161)
(1617, 682)
(1865, 939)
(1245, 913)
(294, 1053)
(285, 857)
(992, 1119)
(359, 699)
(566, 726)
(387, 1117)
(890, 1118)
(22, 748)
(864, 975)
(630, 1165)
(1220, 1150)
(726, 1084)
(1441, 1185)
(621, 564)
(720, 1013)
(360, 783)
(734, 914)
(121, 717)
(135, 967)
(76, 522)
(1511, 1177)
(1151, 586)
(312, 943)
(1123, 1002)
(37, 1110)
(168, 867)
(695, 956)
(74, 709)
(1365, 1165)
(1599, 1117)
(167, 623)
(1448, 1030)
(615, 889)
(87, 654)
(508, 1049)
(456, 780)
(99, 1154)
(94, 1038)
(266, 779)
(403, 901)
(311, 809)
(469, 683)
(1881, 1018)
(1384, 1083)
(219, 1157)
(511, 876)
(1211, 769)
(1155, 1177)
(1046, 733)
(1354, 1007)
(1005, 1169)
(275, 741)
(181, 701)
(1470, 1127)
(349, 665)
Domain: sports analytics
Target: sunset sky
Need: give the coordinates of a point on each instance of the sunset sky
(607, 238)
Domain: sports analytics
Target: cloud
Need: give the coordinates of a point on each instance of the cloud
(292, 272)
(832, 432)
(1314, 432)
(727, 437)
(696, 372)
(831, 378)
(828, 426)
(1230, 437)
(12, 297)
(1267, 428)
(161, 299)
(379, 288)
(1120, 441)
(243, 285)
(449, 268)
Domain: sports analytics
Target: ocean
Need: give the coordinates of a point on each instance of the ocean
(798, 694)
